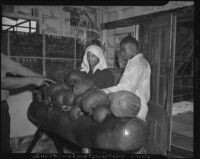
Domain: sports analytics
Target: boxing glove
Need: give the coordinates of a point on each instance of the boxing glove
(82, 86)
(74, 76)
(100, 113)
(111, 96)
(125, 104)
(75, 112)
(55, 87)
(47, 100)
(44, 91)
(78, 100)
(92, 98)
(68, 98)
(37, 95)
(58, 97)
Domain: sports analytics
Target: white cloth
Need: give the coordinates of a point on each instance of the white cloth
(96, 50)
(136, 79)
(182, 107)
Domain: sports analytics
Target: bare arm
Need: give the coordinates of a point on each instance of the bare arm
(15, 68)
(17, 82)
(26, 72)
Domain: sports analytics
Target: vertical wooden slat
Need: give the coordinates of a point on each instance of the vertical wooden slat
(29, 26)
(159, 44)
(8, 43)
(75, 58)
(158, 57)
(44, 54)
(154, 65)
(158, 134)
(171, 80)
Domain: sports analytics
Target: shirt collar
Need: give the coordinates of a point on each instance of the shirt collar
(136, 57)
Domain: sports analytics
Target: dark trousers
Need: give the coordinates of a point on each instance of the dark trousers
(5, 128)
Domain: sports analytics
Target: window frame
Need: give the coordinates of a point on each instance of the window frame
(15, 27)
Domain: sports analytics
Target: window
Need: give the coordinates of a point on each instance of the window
(21, 25)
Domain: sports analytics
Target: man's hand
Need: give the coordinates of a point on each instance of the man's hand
(42, 81)
(104, 90)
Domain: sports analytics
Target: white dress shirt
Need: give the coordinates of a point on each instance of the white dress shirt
(136, 79)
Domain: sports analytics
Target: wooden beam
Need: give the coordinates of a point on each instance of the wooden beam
(143, 18)
(29, 26)
(126, 22)
(11, 26)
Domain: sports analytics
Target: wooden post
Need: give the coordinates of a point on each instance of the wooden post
(75, 52)
(8, 44)
(44, 55)
(29, 26)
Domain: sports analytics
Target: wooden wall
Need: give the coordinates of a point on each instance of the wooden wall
(113, 13)
(119, 13)
(184, 74)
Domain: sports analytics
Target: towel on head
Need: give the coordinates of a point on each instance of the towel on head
(96, 50)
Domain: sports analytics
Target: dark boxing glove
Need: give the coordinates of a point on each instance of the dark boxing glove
(100, 113)
(73, 77)
(75, 112)
(92, 98)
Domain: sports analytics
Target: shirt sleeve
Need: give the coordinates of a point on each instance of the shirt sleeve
(131, 81)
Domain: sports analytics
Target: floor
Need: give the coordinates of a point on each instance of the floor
(182, 133)
(46, 145)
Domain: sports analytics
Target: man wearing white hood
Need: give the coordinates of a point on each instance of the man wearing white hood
(95, 66)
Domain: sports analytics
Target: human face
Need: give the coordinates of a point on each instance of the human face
(128, 50)
(93, 60)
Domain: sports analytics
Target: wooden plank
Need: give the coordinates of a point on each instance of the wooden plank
(126, 22)
(181, 152)
(44, 55)
(182, 142)
(4, 42)
(153, 113)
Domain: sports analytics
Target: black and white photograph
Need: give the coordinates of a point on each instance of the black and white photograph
(95, 79)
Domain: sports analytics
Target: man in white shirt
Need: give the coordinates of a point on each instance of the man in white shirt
(136, 76)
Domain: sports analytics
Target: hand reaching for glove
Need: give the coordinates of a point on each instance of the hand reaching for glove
(42, 81)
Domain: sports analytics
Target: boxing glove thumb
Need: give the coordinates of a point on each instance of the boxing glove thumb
(75, 112)
(100, 113)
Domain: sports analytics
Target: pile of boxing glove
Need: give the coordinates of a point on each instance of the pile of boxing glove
(81, 97)
(88, 100)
